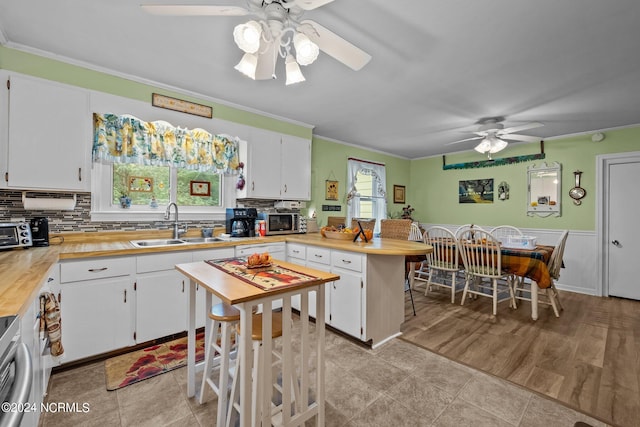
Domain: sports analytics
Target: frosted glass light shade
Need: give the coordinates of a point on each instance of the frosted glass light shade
(491, 144)
(248, 65)
(247, 36)
(306, 50)
(498, 145)
(294, 75)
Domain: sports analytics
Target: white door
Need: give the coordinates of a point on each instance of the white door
(624, 234)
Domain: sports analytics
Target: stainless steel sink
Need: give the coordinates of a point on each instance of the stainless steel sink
(201, 239)
(156, 242)
(174, 242)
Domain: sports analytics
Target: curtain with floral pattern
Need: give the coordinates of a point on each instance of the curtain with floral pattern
(127, 139)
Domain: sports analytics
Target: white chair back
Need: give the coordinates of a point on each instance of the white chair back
(466, 227)
(505, 230)
(480, 253)
(555, 262)
(415, 233)
(445, 249)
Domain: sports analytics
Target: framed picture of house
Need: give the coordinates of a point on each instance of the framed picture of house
(331, 190)
(475, 191)
(398, 194)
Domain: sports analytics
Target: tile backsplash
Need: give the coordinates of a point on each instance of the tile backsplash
(80, 218)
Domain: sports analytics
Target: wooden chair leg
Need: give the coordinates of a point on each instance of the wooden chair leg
(495, 296)
(453, 287)
(466, 289)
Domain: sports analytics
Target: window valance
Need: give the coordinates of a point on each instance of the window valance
(127, 139)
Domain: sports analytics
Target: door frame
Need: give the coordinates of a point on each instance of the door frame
(603, 162)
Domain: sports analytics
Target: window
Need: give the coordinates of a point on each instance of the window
(151, 188)
(367, 191)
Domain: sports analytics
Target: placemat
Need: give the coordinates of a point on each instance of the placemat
(274, 277)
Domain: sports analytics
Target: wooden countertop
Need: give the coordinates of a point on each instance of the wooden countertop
(22, 271)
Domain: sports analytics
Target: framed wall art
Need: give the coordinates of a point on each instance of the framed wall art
(200, 188)
(475, 191)
(398, 194)
(141, 184)
(331, 190)
(174, 104)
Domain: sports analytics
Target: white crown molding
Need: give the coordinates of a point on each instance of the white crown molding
(142, 80)
(3, 37)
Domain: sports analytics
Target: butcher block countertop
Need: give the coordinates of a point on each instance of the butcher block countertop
(23, 271)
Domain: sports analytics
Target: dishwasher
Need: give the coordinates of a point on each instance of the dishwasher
(276, 250)
(16, 373)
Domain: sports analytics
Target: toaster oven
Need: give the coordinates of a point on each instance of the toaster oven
(15, 235)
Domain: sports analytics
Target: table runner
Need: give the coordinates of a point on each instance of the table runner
(268, 278)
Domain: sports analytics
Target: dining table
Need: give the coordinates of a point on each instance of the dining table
(524, 263)
(245, 288)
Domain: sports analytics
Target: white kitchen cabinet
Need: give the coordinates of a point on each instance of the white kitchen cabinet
(97, 306)
(161, 295)
(276, 167)
(49, 135)
(201, 293)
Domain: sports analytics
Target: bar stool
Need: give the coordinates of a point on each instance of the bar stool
(256, 338)
(225, 318)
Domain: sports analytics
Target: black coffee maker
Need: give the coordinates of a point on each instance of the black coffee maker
(40, 231)
(241, 222)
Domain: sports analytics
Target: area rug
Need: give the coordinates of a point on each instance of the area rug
(130, 368)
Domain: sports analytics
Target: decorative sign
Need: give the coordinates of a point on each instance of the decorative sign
(476, 191)
(398, 194)
(331, 190)
(169, 103)
(331, 208)
(141, 184)
(200, 188)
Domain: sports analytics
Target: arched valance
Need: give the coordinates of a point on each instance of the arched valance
(127, 139)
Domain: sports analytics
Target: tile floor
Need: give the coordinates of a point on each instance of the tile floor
(398, 384)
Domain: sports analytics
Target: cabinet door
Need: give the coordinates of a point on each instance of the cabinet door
(161, 304)
(201, 293)
(312, 295)
(49, 135)
(96, 316)
(296, 168)
(264, 165)
(346, 303)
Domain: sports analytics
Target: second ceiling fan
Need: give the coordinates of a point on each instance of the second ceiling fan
(493, 134)
(277, 31)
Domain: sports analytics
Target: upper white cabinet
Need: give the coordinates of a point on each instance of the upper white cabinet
(276, 167)
(49, 135)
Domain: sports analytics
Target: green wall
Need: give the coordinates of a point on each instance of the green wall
(37, 66)
(329, 162)
(434, 191)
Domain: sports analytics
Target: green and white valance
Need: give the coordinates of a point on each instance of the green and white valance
(127, 139)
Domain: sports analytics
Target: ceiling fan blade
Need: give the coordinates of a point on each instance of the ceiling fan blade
(334, 45)
(310, 4)
(465, 140)
(194, 10)
(521, 127)
(525, 138)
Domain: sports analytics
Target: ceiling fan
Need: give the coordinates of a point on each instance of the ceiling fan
(276, 31)
(493, 134)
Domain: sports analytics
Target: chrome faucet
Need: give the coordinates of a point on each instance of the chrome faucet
(176, 227)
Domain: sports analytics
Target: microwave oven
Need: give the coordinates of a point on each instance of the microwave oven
(281, 223)
(15, 235)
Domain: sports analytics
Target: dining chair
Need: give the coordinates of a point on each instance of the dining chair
(399, 229)
(443, 261)
(366, 223)
(550, 295)
(336, 221)
(505, 231)
(466, 227)
(480, 253)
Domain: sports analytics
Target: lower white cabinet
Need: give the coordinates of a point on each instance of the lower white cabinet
(344, 298)
(161, 295)
(96, 316)
(201, 293)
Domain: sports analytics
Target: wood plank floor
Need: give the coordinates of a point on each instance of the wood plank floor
(589, 358)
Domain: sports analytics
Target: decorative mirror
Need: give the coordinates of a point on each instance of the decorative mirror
(544, 189)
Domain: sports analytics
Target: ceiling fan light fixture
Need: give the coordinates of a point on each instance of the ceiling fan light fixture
(306, 50)
(247, 36)
(498, 145)
(491, 144)
(248, 65)
(294, 75)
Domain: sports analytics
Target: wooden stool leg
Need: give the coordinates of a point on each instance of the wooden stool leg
(209, 358)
